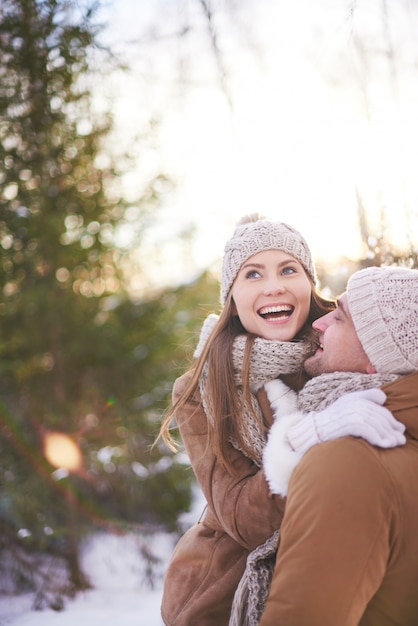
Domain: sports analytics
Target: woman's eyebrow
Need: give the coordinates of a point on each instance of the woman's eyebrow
(261, 265)
(251, 264)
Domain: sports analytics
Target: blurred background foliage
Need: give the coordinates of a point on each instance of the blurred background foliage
(78, 355)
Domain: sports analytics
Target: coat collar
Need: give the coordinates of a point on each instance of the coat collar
(402, 401)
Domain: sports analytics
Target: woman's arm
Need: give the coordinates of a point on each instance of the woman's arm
(242, 503)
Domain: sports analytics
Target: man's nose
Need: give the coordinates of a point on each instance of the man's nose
(322, 323)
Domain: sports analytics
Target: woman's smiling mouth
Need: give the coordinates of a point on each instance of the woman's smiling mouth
(278, 312)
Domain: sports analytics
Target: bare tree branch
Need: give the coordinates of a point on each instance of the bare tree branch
(205, 4)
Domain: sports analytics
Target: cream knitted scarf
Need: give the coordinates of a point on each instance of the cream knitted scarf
(269, 360)
(317, 394)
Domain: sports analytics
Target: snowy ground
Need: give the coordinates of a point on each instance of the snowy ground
(121, 595)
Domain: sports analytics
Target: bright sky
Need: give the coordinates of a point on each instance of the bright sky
(323, 103)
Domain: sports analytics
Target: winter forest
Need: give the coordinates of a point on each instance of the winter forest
(133, 136)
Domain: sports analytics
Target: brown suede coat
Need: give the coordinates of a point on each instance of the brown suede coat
(210, 558)
(348, 553)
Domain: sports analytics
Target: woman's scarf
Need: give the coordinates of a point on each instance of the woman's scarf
(269, 360)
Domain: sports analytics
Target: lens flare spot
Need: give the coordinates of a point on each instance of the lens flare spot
(61, 451)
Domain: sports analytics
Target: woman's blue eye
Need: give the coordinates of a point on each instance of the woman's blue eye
(252, 274)
(289, 270)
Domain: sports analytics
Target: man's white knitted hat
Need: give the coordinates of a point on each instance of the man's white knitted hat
(253, 235)
(383, 303)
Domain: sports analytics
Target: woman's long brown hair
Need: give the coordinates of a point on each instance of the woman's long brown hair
(221, 387)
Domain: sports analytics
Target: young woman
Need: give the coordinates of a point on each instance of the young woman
(223, 413)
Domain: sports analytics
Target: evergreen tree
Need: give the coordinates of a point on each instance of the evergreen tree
(76, 355)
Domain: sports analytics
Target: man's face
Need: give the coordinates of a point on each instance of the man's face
(340, 348)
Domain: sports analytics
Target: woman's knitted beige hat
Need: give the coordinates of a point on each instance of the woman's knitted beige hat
(383, 303)
(254, 234)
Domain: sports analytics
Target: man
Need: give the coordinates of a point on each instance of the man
(348, 550)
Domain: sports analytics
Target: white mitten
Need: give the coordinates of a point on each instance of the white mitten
(208, 326)
(279, 458)
(283, 400)
(360, 414)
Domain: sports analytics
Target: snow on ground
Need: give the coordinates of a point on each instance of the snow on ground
(121, 595)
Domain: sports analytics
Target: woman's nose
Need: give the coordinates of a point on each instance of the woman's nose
(274, 288)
